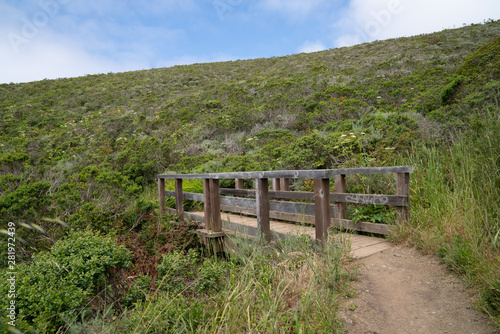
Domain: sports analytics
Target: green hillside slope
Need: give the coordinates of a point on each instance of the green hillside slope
(87, 150)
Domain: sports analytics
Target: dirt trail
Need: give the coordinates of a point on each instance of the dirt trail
(402, 291)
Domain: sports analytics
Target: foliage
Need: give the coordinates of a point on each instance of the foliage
(61, 283)
(190, 186)
(138, 291)
(175, 268)
(483, 63)
(455, 207)
(294, 288)
(372, 213)
(449, 90)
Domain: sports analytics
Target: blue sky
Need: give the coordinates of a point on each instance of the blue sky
(65, 38)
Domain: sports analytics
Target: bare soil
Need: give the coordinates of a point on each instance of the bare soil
(401, 291)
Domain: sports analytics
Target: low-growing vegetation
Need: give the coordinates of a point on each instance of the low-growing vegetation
(79, 159)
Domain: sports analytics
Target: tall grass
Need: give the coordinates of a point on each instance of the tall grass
(455, 206)
(296, 287)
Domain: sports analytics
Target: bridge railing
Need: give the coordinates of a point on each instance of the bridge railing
(320, 213)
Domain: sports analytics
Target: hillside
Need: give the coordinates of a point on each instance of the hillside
(212, 110)
(87, 150)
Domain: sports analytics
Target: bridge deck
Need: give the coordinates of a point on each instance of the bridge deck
(361, 246)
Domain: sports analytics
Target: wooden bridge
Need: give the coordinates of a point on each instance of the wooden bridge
(313, 215)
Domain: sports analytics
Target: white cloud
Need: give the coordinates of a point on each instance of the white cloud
(309, 46)
(43, 58)
(59, 46)
(51, 56)
(293, 8)
(368, 20)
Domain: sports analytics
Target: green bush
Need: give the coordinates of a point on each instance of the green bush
(26, 201)
(450, 89)
(210, 277)
(59, 284)
(137, 291)
(372, 213)
(176, 268)
(484, 63)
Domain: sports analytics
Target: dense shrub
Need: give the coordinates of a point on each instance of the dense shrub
(29, 201)
(450, 89)
(62, 283)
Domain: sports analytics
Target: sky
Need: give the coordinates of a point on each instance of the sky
(48, 39)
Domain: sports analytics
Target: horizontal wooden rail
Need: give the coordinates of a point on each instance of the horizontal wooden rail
(389, 200)
(290, 217)
(191, 196)
(294, 174)
(286, 207)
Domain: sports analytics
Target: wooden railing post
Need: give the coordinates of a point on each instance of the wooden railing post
(262, 195)
(403, 189)
(275, 184)
(179, 198)
(238, 183)
(285, 184)
(207, 207)
(161, 195)
(215, 204)
(322, 208)
(340, 187)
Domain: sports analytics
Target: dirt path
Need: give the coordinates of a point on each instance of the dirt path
(401, 291)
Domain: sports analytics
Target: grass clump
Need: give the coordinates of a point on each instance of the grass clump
(455, 208)
(294, 287)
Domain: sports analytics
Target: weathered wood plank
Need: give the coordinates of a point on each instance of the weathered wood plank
(275, 184)
(272, 214)
(389, 200)
(238, 184)
(284, 184)
(262, 202)
(237, 192)
(161, 195)
(215, 205)
(188, 215)
(179, 203)
(362, 226)
(340, 188)
(296, 195)
(306, 219)
(191, 196)
(294, 174)
(236, 201)
(370, 250)
(310, 220)
(287, 207)
(207, 205)
(240, 210)
(403, 189)
(291, 207)
(235, 225)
